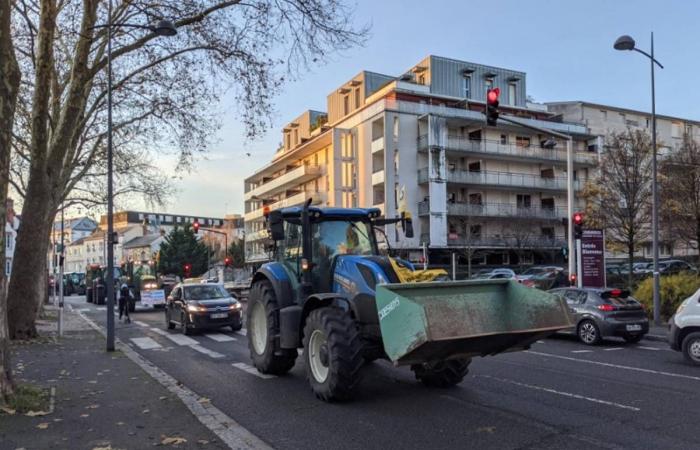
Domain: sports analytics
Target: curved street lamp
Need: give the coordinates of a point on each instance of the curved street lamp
(626, 42)
(161, 28)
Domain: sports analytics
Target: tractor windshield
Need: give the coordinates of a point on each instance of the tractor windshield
(339, 237)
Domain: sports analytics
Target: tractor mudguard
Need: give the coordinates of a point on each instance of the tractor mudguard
(290, 326)
(277, 276)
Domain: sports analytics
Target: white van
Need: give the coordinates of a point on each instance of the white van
(684, 329)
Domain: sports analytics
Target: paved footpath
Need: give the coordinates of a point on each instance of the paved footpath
(100, 400)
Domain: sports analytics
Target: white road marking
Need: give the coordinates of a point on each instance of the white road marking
(540, 342)
(243, 332)
(141, 324)
(564, 394)
(636, 369)
(206, 351)
(252, 370)
(648, 348)
(612, 349)
(159, 331)
(101, 308)
(582, 351)
(180, 339)
(145, 343)
(220, 337)
(82, 310)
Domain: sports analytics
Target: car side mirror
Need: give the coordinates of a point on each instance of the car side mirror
(276, 222)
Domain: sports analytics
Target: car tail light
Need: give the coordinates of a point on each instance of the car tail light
(606, 307)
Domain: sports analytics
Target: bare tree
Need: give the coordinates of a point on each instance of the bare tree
(164, 90)
(9, 87)
(618, 199)
(679, 179)
(520, 239)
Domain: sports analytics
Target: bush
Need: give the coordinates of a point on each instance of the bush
(674, 289)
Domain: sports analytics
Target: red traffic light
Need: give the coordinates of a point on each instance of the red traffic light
(228, 261)
(195, 227)
(572, 279)
(188, 267)
(578, 218)
(492, 95)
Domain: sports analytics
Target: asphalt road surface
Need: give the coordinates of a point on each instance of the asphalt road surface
(559, 395)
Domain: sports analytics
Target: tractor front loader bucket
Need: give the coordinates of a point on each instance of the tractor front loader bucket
(426, 322)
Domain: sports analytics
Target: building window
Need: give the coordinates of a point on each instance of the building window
(504, 139)
(523, 201)
(467, 87)
(357, 98)
(512, 94)
(475, 166)
(688, 129)
(647, 121)
(676, 130)
(296, 137)
(489, 83)
(421, 79)
(346, 105)
(396, 128)
(475, 231)
(287, 141)
(475, 199)
(522, 141)
(548, 232)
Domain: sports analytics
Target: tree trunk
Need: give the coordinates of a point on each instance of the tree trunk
(9, 85)
(630, 263)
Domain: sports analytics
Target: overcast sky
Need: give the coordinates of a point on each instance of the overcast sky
(565, 47)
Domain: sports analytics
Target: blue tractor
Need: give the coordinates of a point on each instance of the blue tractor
(324, 291)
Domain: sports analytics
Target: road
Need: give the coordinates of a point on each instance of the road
(558, 395)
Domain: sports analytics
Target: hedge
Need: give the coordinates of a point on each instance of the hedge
(674, 289)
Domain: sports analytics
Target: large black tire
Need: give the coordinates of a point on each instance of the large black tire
(442, 374)
(341, 354)
(588, 332)
(691, 348)
(266, 358)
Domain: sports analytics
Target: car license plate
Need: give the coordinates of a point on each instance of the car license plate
(634, 328)
(219, 315)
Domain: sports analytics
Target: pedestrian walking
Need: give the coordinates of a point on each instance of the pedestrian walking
(124, 300)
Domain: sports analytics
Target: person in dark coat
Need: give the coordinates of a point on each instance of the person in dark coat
(124, 297)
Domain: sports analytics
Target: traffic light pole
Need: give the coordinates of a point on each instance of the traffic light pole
(573, 252)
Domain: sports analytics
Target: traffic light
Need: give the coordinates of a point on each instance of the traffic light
(572, 279)
(188, 269)
(195, 227)
(492, 106)
(228, 261)
(578, 225)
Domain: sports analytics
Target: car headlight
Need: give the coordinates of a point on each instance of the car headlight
(235, 307)
(195, 308)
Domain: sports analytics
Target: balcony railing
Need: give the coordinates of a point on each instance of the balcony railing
(487, 147)
(290, 179)
(503, 241)
(298, 199)
(498, 210)
(378, 177)
(378, 145)
(511, 179)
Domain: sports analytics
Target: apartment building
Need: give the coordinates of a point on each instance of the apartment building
(419, 141)
(74, 228)
(602, 120)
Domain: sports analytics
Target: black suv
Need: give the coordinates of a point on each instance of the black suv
(601, 313)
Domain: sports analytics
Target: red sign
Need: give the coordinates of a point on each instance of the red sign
(593, 258)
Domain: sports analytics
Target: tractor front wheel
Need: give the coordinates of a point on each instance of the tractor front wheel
(262, 326)
(332, 354)
(442, 374)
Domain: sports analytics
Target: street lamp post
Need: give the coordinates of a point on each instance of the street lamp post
(627, 43)
(162, 28)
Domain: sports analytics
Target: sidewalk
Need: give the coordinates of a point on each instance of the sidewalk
(102, 400)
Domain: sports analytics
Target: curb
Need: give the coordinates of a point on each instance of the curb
(224, 427)
(655, 338)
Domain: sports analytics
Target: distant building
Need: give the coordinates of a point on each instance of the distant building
(74, 228)
(11, 227)
(76, 259)
(142, 248)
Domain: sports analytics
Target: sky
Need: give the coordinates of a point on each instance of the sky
(565, 47)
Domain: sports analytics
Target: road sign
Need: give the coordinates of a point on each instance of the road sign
(593, 258)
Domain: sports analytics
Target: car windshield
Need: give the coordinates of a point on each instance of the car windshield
(339, 237)
(204, 292)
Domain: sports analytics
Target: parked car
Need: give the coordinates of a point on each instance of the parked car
(602, 313)
(544, 277)
(675, 266)
(684, 329)
(196, 306)
(615, 277)
(493, 274)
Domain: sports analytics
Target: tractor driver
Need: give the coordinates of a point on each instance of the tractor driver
(352, 242)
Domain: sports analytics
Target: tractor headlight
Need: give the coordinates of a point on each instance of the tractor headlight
(150, 286)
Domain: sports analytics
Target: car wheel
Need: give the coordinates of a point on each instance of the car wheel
(632, 338)
(691, 348)
(184, 326)
(588, 332)
(168, 322)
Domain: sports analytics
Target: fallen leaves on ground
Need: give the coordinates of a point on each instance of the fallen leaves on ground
(145, 411)
(36, 413)
(489, 430)
(203, 441)
(92, 406)
(85, 415)
(43, 425)
(7, 410)
(204, 400)
(174, 440)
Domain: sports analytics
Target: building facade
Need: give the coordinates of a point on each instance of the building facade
(602, 120)
(418, 142)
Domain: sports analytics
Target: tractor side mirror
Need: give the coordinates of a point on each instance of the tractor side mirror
(407, 225)
(276, 222)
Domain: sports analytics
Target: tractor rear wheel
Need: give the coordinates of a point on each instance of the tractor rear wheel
(442, 374)
(332, 354)
(262, 326)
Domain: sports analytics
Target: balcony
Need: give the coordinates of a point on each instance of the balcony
(293, 178)
(503, 179)
(378, 145)
(510, 151)
(505, 242)
(298, 199)
(378, 177)
(506, 210)
(257, 235)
